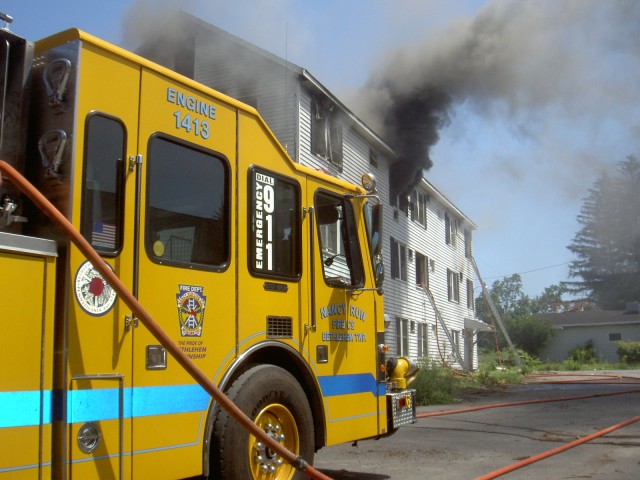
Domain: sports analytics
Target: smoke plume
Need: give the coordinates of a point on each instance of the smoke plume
(528, 61)
(560, 76)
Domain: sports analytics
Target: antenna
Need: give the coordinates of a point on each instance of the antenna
(286, 74)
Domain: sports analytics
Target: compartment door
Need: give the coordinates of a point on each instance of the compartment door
(98, 342)
(185, 276)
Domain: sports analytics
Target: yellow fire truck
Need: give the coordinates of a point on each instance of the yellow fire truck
(266, 274)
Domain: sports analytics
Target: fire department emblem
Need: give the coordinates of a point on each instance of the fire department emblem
(94, 294)
(191, 303)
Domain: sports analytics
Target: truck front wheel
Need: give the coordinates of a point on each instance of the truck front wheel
(275, 401)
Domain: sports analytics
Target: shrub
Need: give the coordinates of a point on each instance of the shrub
(527, 363)
(434, 385)
(628, 351)
(583, 354)
(570, 365)
(491, 376)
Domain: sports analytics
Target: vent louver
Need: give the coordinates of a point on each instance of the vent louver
(279, 327)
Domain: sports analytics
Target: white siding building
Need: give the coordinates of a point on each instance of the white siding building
(428, 240)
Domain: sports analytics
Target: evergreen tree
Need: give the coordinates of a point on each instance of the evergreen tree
(607, 247)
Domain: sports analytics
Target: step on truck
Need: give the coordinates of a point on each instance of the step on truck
(266, 274)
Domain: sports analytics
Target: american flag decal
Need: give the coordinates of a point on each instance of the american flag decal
(103, 235)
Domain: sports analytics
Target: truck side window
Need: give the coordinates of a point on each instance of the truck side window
(274, 225)
(101, 218)
(341, 257)
(187, 221)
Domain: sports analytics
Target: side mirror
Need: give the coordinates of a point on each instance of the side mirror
(377, 230)
(378, 270)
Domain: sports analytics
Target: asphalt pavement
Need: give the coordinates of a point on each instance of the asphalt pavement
(471, 444)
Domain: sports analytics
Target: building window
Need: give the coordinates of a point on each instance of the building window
(326, 132)
(470, 298)
(467, 243)
(423, 340)
(412, 213)
(451, 229)
(398, 260)
(422, 270)
(418, 207)
(455, 334)
(403, 204)
(453, 286)
(615, 337)
(402, 336)
(373, 158)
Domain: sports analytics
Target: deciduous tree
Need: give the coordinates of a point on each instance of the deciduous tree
(519, 314)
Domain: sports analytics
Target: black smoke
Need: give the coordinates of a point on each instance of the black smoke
(412, 125)
(535, 64)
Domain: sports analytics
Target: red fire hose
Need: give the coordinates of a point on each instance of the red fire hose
(554, 451)
(524, 402)
(87, 250)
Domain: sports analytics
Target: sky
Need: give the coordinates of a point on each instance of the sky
(542, 94)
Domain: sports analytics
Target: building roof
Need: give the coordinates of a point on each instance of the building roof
(440, 197)
(591, 318)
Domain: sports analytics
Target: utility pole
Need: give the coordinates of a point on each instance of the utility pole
(494, 311)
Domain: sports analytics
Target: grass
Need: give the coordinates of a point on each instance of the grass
(436, 384)
(572, 366)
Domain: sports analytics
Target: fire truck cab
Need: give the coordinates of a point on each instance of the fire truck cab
(267, 274)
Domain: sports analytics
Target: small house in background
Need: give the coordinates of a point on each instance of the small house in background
(603, 328)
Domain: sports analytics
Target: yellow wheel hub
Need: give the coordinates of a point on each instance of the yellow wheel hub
(278, 422)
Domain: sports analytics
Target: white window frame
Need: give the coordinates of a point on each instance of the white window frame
(422, 265)
(451, 229)
(326, 133)
(423, 340)
(453, 286)
(418, 207)
(471, 303)
(399, 259)
(402, 336)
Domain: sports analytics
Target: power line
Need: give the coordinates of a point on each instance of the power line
(528, 271)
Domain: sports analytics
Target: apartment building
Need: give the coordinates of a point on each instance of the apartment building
(429, 285)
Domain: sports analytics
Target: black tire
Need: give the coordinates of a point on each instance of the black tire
(274, 399)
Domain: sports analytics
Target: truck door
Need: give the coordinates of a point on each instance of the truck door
(185, 277)
(98, 343)
(343, 340)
